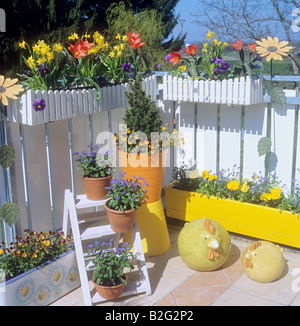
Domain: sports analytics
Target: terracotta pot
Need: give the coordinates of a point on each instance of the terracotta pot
(121, 222)
(110, 292)
(95, 187)
(150, 167)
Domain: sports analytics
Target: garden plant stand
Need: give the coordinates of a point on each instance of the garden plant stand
(71, 205)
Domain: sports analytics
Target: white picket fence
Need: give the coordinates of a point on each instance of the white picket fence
(237, 91)
(216, 135)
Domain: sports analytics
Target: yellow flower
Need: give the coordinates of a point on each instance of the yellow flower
(22, 45)
(225, 44)
(50, 56)
(203, 50)
(8, 89)
(73, 37)
(205, 174)
(57, 47)
(87, 35)
(275, 193)
(212, 177)
(255, 176)
(244, 187)
(34, 255)
(233, 185)
(24, 254)
(124, 38)
(96, 35)
(30, 62)
(1, 251)
(117, 36)
(193, 174)
(209, 35)
(205, 45)
(46, 243)
(182, 68)
(112, 54)
(266, 196)
(272, 48)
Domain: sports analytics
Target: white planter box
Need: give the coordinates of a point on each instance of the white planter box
(67, 104)
(238, 91)
(42, 285)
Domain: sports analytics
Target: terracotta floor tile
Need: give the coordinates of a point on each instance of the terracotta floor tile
(204, 279)
(204, 296)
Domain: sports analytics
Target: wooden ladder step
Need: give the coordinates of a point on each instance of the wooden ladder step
(97, 232)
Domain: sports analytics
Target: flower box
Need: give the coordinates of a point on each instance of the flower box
(42, 285)
(243, 218)
(237, 91)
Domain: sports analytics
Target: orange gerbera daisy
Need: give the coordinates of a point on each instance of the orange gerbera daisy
(8, 89)
(272, 48)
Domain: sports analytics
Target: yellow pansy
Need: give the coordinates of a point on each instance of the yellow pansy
(212, 177)
(46, 243)
(193, 174)
(1, 251)
(205, 174)
(233, 185)
(275, 193)
(244, 187)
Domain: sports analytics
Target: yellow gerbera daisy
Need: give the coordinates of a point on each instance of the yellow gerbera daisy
(272, 48)
(8, 89)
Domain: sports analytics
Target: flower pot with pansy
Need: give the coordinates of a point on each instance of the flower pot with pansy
(96, 170)
(125, 198)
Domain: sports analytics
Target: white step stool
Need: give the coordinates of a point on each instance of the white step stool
(71, 205)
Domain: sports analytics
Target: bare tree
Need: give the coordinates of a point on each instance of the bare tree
(250, 20)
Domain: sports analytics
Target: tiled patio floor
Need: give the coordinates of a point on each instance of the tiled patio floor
(175, 284)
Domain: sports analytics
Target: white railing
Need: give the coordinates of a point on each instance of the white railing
(216, 135)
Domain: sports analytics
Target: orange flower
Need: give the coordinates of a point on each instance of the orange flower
(134, 40)
(238, 45)
(175, 57)
(252, 47)
(79, 49)
(191, 49)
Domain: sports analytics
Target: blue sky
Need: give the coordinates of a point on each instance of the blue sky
(194, 32)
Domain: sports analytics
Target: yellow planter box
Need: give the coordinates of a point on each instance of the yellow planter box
(243, 218)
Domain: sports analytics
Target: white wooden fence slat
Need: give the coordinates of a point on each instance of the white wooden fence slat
(38, 182)
(201, 90)
(69, 104)
(236, 91)
(218, 91)
(165, 87)
(38, 117)
(80, 103)
(248, 93)
(61, 167)
(29, 116)
(175, 88)
(85, 102)
(224, 91)
(47, 108)
(180, 89)
(170, 88)
(241, 96)
(212, 91)
(196, 91)
(51, 105)
(58, 106)
(63, 103)
(74, 103)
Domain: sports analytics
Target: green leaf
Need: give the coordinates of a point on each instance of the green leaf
(10, 212)
(7, 156)
(278, 96)
(264, 146)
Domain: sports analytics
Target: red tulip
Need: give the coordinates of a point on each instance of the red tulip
(79, 49)
(252, 47)
(175, 57)
(134, 40)
(191, 49)
(238, 45)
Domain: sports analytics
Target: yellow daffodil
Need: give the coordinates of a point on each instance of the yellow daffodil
(225, 44)
(22, 45)
(233, 185)
(272, 48)
(8, 89)
(117, 36)
(124, 38)
(73, 37)
(57, 47)
(111, 54)
(182, 68)
(209, 35)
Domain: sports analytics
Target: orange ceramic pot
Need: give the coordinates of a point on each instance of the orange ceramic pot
(110, 292)
(145, 165)
(95, 187)
(121, 222)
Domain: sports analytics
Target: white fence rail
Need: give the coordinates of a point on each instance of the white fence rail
(216, 135)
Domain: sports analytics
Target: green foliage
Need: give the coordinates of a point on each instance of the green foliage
(110, 263)
(278, 96)
(7, 156)
(10, 213)
(142, 115)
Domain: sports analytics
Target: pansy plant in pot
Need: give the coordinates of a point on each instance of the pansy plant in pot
(126, 196)
(96, 170)
(108, 276)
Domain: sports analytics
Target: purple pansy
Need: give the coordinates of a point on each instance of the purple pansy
(39, 104)
(126, 67)
(43, 70)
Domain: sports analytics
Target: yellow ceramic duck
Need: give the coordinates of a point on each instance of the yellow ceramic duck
(263, 261)
(204, 244)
